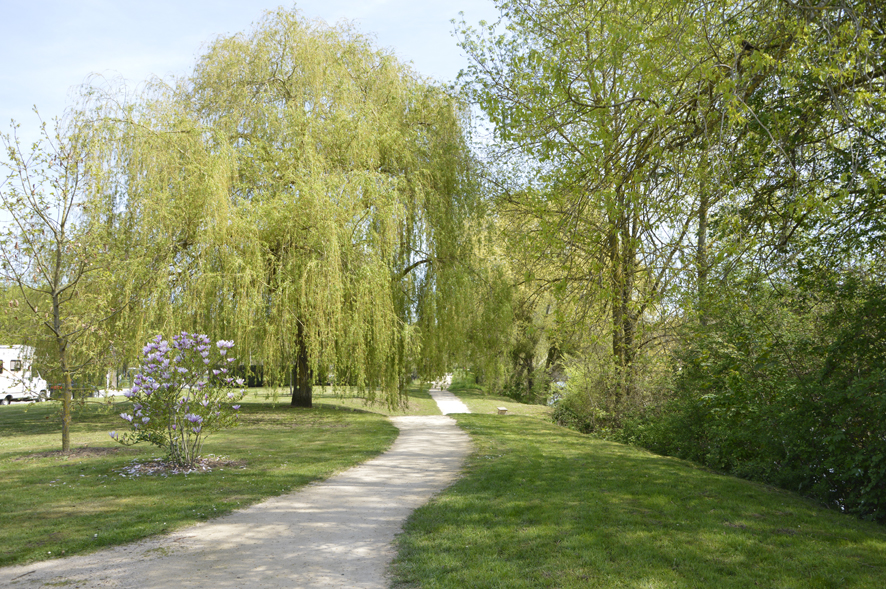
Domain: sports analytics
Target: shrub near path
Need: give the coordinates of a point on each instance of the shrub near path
(543, 506)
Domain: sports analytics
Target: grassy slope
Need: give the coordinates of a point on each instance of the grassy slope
(542, 506)
(54, 505)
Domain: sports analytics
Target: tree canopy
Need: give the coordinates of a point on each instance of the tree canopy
(315, 196)
(702, 181)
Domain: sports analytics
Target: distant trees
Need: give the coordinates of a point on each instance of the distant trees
(604, 103)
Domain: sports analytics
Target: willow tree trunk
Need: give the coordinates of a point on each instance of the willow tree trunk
(302, 375)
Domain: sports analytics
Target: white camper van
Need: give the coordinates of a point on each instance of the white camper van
(18, 380)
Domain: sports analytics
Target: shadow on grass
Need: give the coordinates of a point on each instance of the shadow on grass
(29, 419)
(541, 506)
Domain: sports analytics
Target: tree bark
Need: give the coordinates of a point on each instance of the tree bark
(62, 347)
(66, 414)
(623, 260)
(302, 375)
(701, 258)
(67, 399)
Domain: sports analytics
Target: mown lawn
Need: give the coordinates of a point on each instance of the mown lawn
(61, 505)
(479, 402)
(542, 506)
(539, 505)
(420, 402)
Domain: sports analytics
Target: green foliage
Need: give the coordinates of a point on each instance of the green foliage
(788, 393)
(464, 380)
(845, 405)
(590, 399)
(72, 266)
(676, 171)
(330, 213)
(585, 404)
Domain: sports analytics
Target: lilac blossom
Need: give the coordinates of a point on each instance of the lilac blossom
(177, 396)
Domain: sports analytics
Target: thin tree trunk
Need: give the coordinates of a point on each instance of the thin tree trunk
(67, 399)
(701, 258)
(530, 380)
(62, 347)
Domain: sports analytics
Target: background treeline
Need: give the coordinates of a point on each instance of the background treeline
(690, 212)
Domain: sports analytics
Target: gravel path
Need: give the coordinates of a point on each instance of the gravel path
(337, 533)
(448, 403)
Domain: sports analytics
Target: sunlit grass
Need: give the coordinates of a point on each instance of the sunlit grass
(479, 402)
(464, 386)
(539, 506)
(418, 401)
(542, 506)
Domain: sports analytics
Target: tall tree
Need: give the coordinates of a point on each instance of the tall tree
(602, 101)
(343, 243)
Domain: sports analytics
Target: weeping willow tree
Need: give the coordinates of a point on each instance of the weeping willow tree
(159, 197)
(312, 196)
(86, 236)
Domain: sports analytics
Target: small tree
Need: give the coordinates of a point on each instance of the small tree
(181, 395)
(53, 255)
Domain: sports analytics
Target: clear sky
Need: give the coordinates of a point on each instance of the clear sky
(50, 47)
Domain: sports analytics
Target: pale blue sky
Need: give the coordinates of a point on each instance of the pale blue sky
(49, 47)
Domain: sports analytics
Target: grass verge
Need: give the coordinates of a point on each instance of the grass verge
(56, 505)
(543, 506)
(464, 386)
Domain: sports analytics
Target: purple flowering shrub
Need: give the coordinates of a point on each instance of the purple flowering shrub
(183, 392)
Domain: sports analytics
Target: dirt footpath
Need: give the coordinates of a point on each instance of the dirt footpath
(337, 533)
(448, 403)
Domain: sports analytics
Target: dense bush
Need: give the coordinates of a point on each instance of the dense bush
(790, 392)
(593, 398)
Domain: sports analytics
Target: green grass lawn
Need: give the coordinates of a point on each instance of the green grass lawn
(479, 402)
(61, 505)
(542, 506)
(465, 387)
(420, 402)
